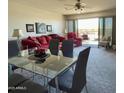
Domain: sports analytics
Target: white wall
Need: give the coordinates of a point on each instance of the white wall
(19, 15)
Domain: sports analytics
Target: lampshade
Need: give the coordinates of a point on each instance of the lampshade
(17, 33)
(66, 30)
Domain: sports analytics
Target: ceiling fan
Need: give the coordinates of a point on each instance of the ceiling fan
(77, 6)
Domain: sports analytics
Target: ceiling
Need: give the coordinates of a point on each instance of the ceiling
(57, 6)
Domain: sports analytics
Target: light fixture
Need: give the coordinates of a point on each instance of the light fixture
(18, 33)
(77, 6)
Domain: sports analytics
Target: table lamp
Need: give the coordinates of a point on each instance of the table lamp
(18, 33)
(65, 31)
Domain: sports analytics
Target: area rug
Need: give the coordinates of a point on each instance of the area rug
(101, 71)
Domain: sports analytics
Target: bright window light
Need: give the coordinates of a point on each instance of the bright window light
(88, 23)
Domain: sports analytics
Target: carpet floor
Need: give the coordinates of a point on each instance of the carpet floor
(101, 70)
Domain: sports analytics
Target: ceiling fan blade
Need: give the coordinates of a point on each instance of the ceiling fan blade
(68, 5)
(86, 7)
(83, 4)
(69, 8)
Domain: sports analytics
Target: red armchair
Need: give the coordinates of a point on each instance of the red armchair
(85, 37)
(77, 40)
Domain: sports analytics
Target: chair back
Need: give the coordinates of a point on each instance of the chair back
(13, 49)
(67, 48)
(79, 79)
(54, 46)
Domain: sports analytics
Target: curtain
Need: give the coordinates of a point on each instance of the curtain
(106, 28)
(72, 26)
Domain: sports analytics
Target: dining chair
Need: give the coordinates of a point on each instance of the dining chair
(13, 51)
(54, 46)
(67, 48)
(16, 80)
(74, 82)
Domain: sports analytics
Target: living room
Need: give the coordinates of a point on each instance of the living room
(57, 19)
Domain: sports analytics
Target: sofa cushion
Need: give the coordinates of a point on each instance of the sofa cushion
(54, 36)
(48, 38)
(32, 38)
(72, 35)
(42, 40)
(45, 46)
(61, 38)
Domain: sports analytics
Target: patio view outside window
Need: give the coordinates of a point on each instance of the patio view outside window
(89, 27)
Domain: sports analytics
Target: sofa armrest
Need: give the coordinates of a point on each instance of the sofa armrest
(79, 39)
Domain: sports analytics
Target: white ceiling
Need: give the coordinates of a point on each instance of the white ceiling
(57, 6)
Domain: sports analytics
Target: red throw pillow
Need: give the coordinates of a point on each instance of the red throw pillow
(32, 38)
(48, 38)
(42, 40)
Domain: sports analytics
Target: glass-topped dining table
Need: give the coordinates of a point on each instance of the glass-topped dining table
(50, 68)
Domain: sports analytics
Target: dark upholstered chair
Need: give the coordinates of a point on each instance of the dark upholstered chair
(13, 50)
(54, 46)
(16, 80)
(67, 48)
(74, 82)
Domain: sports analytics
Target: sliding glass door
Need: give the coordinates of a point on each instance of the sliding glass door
(101, 29)
(70, 26)
(105, 27)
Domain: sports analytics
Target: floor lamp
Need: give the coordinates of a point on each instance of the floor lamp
(18, 33)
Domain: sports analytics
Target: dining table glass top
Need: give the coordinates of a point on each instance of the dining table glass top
(51, 67)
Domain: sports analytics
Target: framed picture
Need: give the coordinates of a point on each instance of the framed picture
(30, 27)
(40, 28)
(49, 28)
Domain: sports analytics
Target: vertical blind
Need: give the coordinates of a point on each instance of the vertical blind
(72, 25)
(106, 28)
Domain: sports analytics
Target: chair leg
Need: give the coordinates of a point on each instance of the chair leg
(86, 89)
(49, 89)
(98, 46)
(62, 92)
(21, 70)
(58, 91)
(73, 68)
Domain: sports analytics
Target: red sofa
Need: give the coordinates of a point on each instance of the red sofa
(77, 40)
(40, 42)
(56, 36)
